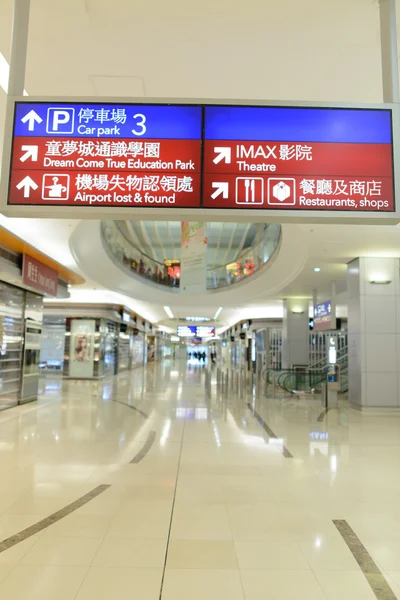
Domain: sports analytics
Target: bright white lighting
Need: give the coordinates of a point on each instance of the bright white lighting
(218, 313)
(169, 312)
(165, 432)
(317, 269)
(317, 542)
(4, 74)
(333, 461)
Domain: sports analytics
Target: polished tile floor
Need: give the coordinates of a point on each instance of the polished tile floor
(202, 502)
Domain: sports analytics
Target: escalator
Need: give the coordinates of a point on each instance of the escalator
(308, 380)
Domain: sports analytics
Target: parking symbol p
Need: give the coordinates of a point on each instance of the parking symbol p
(60, 120)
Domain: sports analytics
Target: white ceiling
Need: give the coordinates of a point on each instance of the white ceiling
(287, 50)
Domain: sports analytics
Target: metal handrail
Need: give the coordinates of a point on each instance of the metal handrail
(342, 353)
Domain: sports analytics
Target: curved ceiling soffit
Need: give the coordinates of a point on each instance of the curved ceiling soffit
(87, 249)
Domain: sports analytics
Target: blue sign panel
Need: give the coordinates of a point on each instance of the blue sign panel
(340, 125)
(108, 120)
(322, 310)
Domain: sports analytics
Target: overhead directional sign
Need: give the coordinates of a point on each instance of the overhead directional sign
(323, 317)
(106, 154)
(195, 330)
(271, 158)
(298, 158)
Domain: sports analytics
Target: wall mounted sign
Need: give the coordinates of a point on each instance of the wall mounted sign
(104, 155)
(38, 276)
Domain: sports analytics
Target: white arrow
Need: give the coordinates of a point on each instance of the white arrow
(30, 118)
(31, 152)
(27, 183)
(220, 187)
(223, 154)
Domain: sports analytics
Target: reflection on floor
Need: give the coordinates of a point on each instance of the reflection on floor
(203, 501)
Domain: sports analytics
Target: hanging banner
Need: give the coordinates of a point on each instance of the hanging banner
(193, 257)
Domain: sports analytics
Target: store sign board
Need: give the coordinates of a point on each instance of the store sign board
(38, 276)
(292, 159)
(323, 316)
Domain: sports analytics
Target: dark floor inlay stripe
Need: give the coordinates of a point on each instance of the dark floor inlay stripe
(148, 444)
(370, 569)
(57, 516)
(144, 415)
(322, 415)
(268, 430)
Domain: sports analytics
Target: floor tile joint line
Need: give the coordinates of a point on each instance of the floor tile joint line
(172, 512)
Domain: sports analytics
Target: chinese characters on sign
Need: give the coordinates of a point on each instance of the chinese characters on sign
(298, 158)
(194, 156)
(109, 155)
(39, 276)
(323, 317)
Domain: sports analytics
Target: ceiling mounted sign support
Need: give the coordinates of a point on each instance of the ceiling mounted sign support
(19, 46)
(389, 55)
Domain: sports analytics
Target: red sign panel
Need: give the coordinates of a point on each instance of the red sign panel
(39, 276)
(298, 176)
(93, 172)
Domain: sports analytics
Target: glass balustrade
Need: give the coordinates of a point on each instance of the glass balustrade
(250, 261)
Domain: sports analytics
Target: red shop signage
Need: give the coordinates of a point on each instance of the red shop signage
(39, 276)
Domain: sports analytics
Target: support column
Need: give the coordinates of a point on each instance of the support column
(373, 289)
(389, 54)
(295, 332)
(19, 44)
(333, 302)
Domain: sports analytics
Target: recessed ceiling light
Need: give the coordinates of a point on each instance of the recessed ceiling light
(218, 313)
(169, 312)
(317, 269)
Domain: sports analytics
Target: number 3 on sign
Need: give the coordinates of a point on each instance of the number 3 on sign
(140, 123)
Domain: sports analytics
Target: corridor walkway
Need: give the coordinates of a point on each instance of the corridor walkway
(162, 484)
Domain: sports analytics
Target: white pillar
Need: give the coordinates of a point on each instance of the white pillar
(315, 298)
(333, 302)
(19, 44)
(295, 332)
(374, 332)
(389, 54)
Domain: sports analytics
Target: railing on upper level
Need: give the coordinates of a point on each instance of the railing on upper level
(253, 259)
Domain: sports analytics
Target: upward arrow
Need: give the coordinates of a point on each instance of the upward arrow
(27, 183)
(31, 117)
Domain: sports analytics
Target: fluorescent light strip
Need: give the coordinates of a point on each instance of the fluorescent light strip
(169, 312)
(5, 73)
(218, 313)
